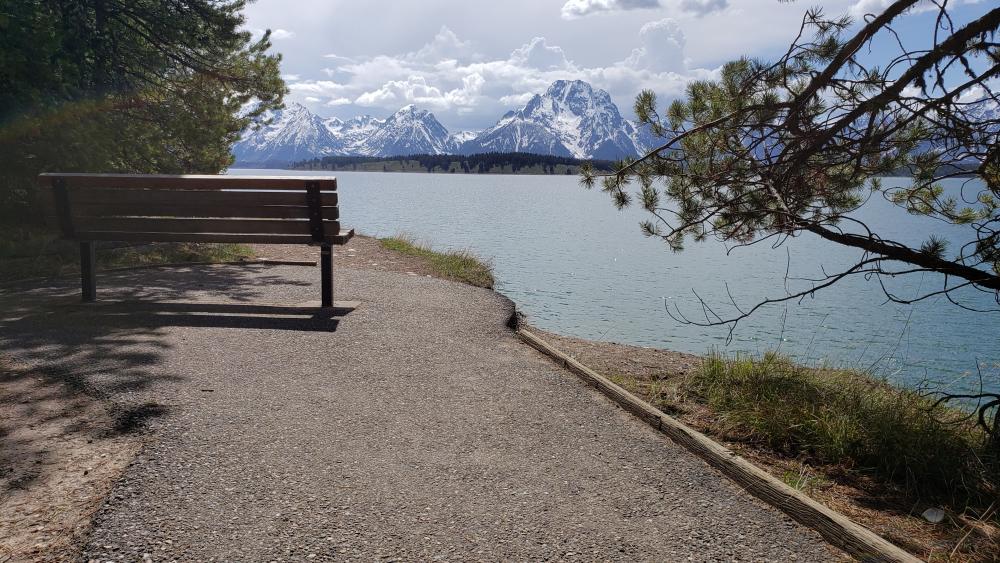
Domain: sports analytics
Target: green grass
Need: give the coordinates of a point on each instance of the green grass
(846, 418)
(27, 253)
(460, 265)
(804, 479)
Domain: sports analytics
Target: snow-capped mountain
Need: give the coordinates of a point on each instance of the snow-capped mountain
(408, 131)
(295, 133)
(352, 133)
(571, 119)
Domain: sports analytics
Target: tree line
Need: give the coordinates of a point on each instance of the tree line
(512, 162)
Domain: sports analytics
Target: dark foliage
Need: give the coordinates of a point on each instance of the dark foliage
(125, 86)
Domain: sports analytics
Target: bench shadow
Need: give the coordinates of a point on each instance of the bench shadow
(96, 370)
(159, 314)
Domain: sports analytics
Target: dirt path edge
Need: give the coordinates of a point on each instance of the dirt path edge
(836, 528)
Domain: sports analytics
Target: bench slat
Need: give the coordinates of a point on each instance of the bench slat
(341, 238)
(147, 198)
(188, 182)
(234, 226)
(186, 211)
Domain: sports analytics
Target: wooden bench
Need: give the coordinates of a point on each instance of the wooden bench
(233, 209)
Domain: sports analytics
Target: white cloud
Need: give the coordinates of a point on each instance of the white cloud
(539, 54)
(444, 41)
(445, 45)
(573, 9)
(703, 7)
(276, 34)
(861, 8)
(472, 86)
(469, 91)
(337, 57)
(290, 77)
(516, 100)
(416, 90)
(318, 88)
(313, 99)
(399, 92)
(662, 47)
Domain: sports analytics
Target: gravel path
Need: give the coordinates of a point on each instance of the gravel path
(416, 427)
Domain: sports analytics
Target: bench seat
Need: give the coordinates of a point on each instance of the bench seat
(195, 208)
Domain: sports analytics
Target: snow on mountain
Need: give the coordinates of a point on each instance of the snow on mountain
(353, 133)
(986, 111)
(294, 133)
(408, 131)
(570, 119)
(462, 137)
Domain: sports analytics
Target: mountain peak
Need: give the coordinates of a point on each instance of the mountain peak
(296, 108)
(570, 119)
(411, 111)
(563, 86)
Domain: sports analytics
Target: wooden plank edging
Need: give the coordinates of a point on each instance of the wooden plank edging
(836, 528)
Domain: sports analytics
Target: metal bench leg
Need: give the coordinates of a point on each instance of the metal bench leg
(326, 274)
(88, 271)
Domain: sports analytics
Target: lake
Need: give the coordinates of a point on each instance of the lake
(577, 266)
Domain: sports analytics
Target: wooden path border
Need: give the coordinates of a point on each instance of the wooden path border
(836, 528)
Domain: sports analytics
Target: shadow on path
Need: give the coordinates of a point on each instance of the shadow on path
(157, 314)
(86, 368)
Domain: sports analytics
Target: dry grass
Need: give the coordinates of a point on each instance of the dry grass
(458, 265)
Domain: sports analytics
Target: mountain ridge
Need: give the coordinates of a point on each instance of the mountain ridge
(571, 119)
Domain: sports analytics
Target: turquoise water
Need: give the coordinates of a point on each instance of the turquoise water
(577, 266)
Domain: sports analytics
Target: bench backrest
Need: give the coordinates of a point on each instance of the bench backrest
(157, 208)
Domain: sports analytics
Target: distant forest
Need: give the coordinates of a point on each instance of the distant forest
(489, 163)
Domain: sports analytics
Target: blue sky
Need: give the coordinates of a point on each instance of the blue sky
(471, 61)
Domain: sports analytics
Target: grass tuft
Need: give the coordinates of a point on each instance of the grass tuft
(457, 265)
(848, 418)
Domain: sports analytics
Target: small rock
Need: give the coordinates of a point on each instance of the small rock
(933, 515)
